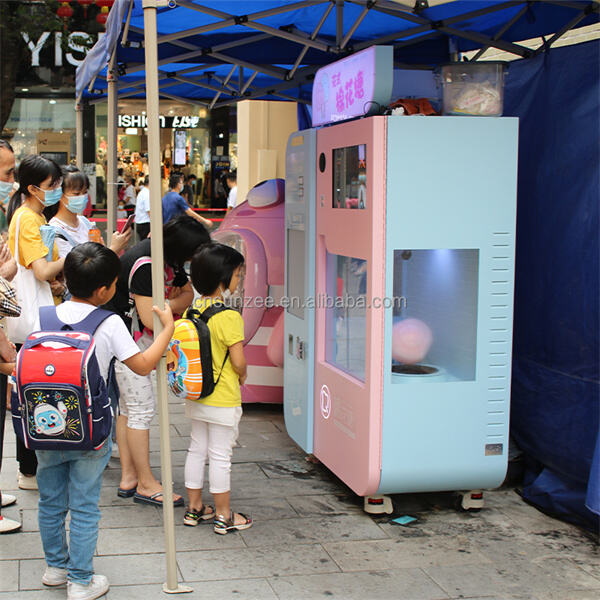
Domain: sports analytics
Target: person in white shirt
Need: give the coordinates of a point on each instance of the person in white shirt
(129, 193)
(71, 227)
(142, 211)
(232, 198)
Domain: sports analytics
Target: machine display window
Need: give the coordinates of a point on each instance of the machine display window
(295, 272)
(434, 324)
(346, 314)
(350, 177)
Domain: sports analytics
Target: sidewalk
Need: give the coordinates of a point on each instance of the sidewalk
(311, 538)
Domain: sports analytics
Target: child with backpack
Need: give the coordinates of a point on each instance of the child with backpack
(215, 270)
(70, 480)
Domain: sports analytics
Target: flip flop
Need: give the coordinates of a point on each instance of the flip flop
(123, 493)
(141, 499)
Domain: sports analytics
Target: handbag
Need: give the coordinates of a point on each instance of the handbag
(31, 294)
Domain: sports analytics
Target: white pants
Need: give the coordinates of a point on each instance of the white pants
(214, 442)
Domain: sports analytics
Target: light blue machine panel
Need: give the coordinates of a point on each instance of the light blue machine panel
(298, 372)
(450, 244)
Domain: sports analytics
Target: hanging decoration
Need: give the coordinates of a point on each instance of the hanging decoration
(105, 6)
(64, 12)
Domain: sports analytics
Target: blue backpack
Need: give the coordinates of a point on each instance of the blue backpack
(59, 399)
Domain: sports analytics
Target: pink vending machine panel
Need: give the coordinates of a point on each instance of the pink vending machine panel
(349, 329)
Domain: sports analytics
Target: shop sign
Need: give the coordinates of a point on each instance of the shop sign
(176, 122)
(353, 87)
(36, 46)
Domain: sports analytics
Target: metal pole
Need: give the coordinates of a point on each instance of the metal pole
(111, 153)
(79, 135)
(152, 110)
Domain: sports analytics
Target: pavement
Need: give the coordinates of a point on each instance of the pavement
(311, 538)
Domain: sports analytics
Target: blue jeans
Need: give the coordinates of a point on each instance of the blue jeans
(71, 481)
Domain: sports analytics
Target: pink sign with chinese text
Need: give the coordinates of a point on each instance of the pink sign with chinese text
(352, 87)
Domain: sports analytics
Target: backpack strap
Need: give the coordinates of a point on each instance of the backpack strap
(140, 262)
(49, 320)
(63, 235)
(206, 315)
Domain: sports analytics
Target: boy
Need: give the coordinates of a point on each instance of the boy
(72, 480)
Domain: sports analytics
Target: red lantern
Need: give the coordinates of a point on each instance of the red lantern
(105, 3)
(64, 11)
(85, 4)
(102, 16)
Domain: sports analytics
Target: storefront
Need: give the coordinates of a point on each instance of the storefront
(185, 145)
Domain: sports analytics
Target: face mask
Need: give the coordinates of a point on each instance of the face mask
(77, 204)
(187, 265)
(51, 197)
(5, 190)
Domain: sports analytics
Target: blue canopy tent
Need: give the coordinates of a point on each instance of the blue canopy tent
(216, 53)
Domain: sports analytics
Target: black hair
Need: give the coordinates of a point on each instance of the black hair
(120, 171)
(213, 265)
(231, 177)
(4, 144)
(74, 179)
(146, 180)
(190, 177)
(174, 180)
(182, 236)
(90, 266)
(33, 170)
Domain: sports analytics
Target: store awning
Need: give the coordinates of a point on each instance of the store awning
(219, 52)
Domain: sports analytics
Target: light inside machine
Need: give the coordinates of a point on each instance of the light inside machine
(434, 323)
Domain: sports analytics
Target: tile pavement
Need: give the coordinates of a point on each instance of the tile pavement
(311, 538)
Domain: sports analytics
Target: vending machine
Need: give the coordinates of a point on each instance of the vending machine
(414, 242)
(256, 229)
(299, 315)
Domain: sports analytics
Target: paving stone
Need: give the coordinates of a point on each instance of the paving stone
(407, 584)
(176, 441)
(315, 529)
(144, 540)
(136, 515)
(324, 504)
(264, 440)
(524, 578)
(9, 571)
(241, 455)
(241, 589)
(46, 594)
(177, 458)
(282, 488)
(408, 553)
(266, 509)
(20, 545)
(258, 427)
(255, 562)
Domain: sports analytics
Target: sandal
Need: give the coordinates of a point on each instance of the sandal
(193, 517)
(223, 526)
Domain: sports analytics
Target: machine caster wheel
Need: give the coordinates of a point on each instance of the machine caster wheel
(377, 505)
(469, 501)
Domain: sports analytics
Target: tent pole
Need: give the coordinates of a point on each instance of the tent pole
(79, 135)
(152, 110)
(111, 153)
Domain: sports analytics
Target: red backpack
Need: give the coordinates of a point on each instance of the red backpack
(59, 399)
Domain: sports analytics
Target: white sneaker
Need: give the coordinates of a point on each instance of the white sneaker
(94, 589)
(8, 499)
(27, 483)
(54, 576)
(8, 525)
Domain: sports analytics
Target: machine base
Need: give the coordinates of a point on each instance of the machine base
(376, 505)
(471, 501)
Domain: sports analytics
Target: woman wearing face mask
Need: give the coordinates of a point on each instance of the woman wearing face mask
(39, 186)
(72, 228)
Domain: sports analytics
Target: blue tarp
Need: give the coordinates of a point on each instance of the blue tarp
(556, 355)
(426, 38)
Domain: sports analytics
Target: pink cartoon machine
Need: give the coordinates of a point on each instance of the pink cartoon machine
(256, 229)
(414, 234)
